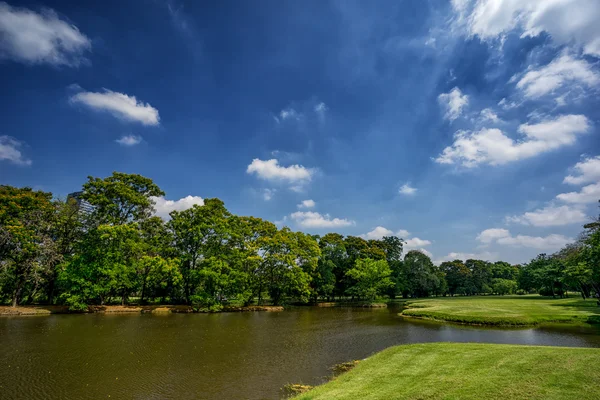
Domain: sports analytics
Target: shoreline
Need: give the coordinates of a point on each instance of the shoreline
(32, 310)
(466, 371)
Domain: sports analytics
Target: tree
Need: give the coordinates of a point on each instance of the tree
(105, 266)
(371, 277)
(458, 277)
(199, 233)
(503, 286)
(121, 198)
(421, 277)
(25, 241)
(286, 266)
(66, 232)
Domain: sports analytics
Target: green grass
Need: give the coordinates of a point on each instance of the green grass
(468, 371)
(505, 310)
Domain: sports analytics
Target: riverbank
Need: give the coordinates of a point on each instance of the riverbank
(468, 371)
(505, 310)
(153, 309)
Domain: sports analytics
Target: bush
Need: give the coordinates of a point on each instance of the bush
(521, 292)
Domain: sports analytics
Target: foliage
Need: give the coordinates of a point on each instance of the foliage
(372, 278)
(52, 251)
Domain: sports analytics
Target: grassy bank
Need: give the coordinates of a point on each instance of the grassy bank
(154, 309)
(468, 371)
(505, 310)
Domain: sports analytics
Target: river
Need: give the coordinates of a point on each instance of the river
(216, 356)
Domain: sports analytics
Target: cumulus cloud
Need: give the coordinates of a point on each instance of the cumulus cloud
(564, 70)
(311, 219)
(585, 171)
(587, 194)
(407, 190)
(36, 38)
(415, 243)
(492, 146)
(119, 105)
(129, 140)
(453, 103)
(379, 232)
(565, 21)
(550, 216)
(489, 235)
(163, 206)
(307, 204)
(504, 237)
(10, 151)
(271, 170)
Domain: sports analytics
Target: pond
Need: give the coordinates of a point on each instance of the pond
(216, 356)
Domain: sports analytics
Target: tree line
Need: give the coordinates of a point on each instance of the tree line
(53, 251)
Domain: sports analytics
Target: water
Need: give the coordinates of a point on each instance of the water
(218, 356)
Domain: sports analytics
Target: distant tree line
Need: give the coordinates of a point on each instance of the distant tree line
(53, 252)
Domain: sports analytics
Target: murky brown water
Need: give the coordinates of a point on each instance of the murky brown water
(219, 356)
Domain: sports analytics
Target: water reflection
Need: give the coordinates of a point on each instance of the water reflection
(219, 356)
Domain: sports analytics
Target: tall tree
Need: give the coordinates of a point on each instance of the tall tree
(121, 198)
(25, 221)
(372, 278)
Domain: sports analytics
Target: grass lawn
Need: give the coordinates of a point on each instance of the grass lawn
(505, 310)
(468, 371)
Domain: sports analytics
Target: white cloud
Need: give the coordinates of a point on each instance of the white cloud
(307, 204)
(321, 108)
(490, 235)
(379, 232)
(587, 194)
(415, 243)
(566, 21)
(289, 113)
(120, 105)
(487, 114)
(492, 146)
(550, 216)
(402, 233)
(268, 194)
(9, 151)
(129, 140)
(407, 190)
(564, 70)
(587, 171)
(504, 237)
(311, 219)
(272, 171)
(163, 206)
(453, 103)
(36, 38)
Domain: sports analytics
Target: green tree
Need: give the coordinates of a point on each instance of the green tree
(458, 277)
(372, 278)
(199, 233)
(421, 277)
(25, 241)
(121, 198)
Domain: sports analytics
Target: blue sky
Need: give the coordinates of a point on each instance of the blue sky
(469, 128)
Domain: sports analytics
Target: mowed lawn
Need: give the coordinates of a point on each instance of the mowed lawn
(505, 310)
(469, 371)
